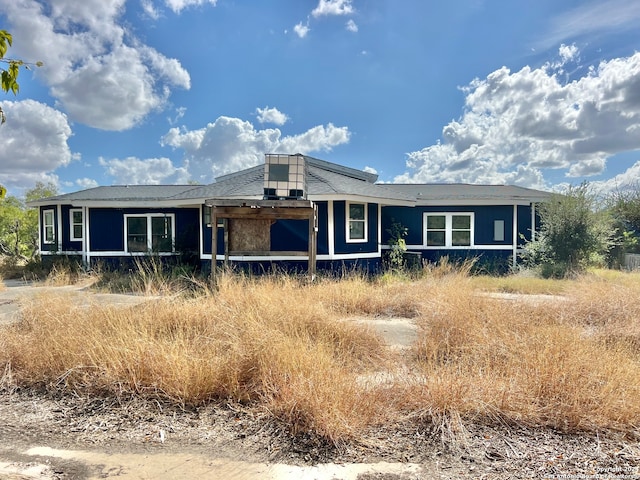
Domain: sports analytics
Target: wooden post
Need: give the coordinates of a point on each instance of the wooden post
(225, 230)
(214, 246)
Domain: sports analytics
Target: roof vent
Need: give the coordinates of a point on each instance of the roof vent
(285, 177)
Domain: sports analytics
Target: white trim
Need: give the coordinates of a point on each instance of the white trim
(470, 202)
(474, 247)
(59, 235)
(301, 258)
(72, 238)
(86, 257)
(515, 236)
(533, 222)
(149, 216)
(331, 230)
(348, 221)
(448, 229)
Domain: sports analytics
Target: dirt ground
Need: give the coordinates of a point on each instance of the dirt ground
(65, 437)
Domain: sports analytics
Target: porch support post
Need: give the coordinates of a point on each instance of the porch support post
(214, 245)
(313, 241)
(225, 229)
(514, 262)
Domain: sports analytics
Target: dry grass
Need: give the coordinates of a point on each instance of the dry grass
(278, 344)
(516, 362)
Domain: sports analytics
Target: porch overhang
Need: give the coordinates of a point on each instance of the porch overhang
(252, 209)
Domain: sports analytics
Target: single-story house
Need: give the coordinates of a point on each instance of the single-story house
(293, 210)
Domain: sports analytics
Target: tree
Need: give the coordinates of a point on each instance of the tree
(9, 75)
(624, 206)
(573, 234)
(19, 224)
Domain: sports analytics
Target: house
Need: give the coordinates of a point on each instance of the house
(294, 210)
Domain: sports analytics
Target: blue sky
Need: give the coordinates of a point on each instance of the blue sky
(538, 93)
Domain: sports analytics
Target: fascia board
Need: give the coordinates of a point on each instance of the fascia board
(362, 199)
(471, 202)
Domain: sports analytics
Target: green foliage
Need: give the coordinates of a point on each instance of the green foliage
(19, 224)
(624, 206)
(573, 234)
(396, 256)
(9, 74)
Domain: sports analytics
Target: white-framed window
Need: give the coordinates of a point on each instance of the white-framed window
(48, 227)
(498, 230)
(356, 222)
(207, 218)
(76, 224)
(152, 232)
(446, 230)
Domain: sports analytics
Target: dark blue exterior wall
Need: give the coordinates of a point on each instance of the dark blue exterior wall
(484, 217)
(107, 228)
(51, 247)
(339, 226)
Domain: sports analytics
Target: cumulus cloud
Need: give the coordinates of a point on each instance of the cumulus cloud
(271, 115)
(351, 26)
(150, 171)
(99, 73)
(231, 144)
(33, 143)
(333, 7)
(301, 29)
(85, 183)
(517, 125)
(178, 5)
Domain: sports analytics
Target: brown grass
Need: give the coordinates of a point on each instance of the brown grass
(279, 344)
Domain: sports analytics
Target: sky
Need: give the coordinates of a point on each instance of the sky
(535, 93)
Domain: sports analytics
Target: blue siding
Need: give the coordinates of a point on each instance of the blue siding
(524, 224)
(290, 235)
(107, 228)
(51, 247)
(67, 244)
(339, 226)
(484, 218)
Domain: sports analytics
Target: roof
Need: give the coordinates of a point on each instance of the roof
(117, 193)
(431, 192)
(325, 180)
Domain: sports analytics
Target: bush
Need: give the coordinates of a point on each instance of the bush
(573, 234)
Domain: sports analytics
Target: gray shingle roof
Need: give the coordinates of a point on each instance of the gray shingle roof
(118, 193)
(324, 179)
(424, 193)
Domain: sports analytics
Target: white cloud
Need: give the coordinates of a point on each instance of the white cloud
(592, 17)
(516, 125)
(100, 74)
(332, 7)
(629, 179)
(351, 26)
(271, 115)
(301, 30)
(85, 183)
(178, 5)
(149, 9)
(231, 144)
(370, 170)
(151, 171)
(33, 143)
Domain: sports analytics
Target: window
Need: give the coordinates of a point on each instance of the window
(356, 222)
(207, 218)
(75, 218)
(48, 226)
(498, 230)
(448, 229)
(153, 232)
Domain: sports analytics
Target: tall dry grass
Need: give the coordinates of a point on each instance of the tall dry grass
(263, 342)
(486, 359)
(281, 345)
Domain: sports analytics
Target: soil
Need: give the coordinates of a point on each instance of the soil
(53, 436)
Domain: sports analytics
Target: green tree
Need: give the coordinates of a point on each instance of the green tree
(10, 68)
(624, 206)
(573, 235)
(19, 224)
